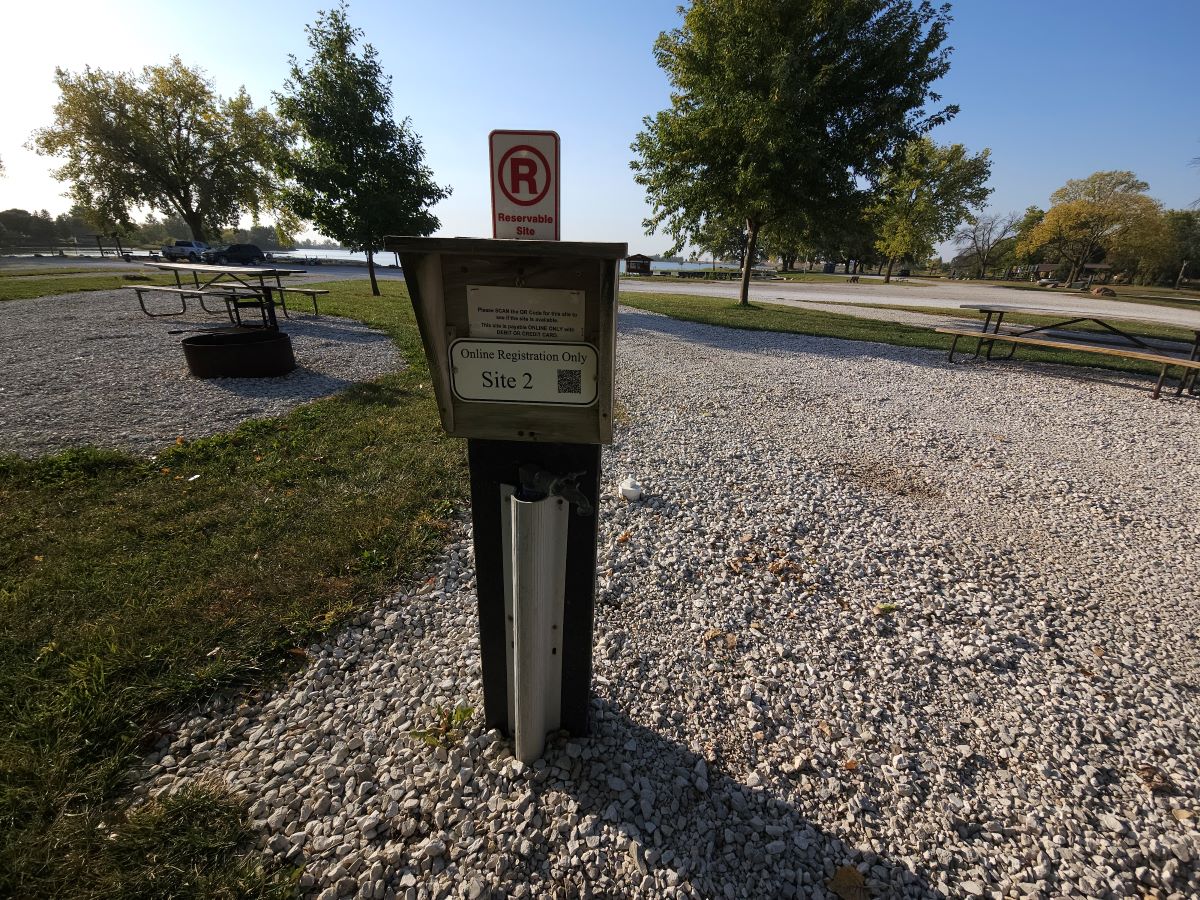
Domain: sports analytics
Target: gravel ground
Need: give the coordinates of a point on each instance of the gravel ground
(90, 369)
(934, 623)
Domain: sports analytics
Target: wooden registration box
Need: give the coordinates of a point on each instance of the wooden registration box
(520, 335)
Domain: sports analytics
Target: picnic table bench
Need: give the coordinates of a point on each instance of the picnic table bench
(224, 294)
(1110, 341)
(237, 287)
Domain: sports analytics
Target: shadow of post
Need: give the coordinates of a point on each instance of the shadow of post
(685, 827)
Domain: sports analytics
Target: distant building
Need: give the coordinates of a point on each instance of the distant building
(637, 264)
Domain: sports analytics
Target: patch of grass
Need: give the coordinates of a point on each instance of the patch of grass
(131, 589)
(1142, 329)
(1127, 293)
(26, 288)
(29, 271)
(796, 320)
(193, 844)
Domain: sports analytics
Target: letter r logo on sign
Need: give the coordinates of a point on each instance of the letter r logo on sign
(525, 195)
(523, 171)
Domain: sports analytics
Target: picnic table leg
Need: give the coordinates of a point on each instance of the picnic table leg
(269, 305)
(1158, 384)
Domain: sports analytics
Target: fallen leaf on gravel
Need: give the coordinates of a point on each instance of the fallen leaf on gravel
(1098, 650)
(824, 728)
(710, 634)
(847, 882)
(731, 641)
(623, 537)
(850, 765)
(299, 652)
(785, 568)
(1155, 779)
(1181, 815)
(884, 609)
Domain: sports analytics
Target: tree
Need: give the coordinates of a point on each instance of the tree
(1089, 218)
(983, 236)
(1185, 229)
(778, 107)
(721, 239)
(21, 227)
(788, 239)
(924, 195)
(1145, 247)
(355, 173)
(162, 139)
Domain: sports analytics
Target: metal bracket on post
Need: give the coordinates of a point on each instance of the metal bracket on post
(535, 524)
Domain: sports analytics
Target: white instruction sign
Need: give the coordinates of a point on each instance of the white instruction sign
(538, 314)
(524, 372)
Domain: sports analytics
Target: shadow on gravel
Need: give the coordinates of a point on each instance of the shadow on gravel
(694, 825)
(301, 383)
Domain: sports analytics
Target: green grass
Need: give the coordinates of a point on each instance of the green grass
(26, 287)
(1143, 329)
(1127, 293)
(794, 320)
(130, 589)
(28, 271)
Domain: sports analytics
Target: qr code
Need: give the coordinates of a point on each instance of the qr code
(570, 381)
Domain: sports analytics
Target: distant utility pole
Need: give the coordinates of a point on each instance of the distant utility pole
(1179, 278)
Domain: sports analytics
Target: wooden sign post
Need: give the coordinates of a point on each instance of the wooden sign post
(520, 336)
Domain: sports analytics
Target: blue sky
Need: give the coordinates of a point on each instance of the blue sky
(1056, 89)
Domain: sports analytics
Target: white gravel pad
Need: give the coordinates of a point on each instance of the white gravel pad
(937, 623)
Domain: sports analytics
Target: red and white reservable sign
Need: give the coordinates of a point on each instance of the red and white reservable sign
(524, 184)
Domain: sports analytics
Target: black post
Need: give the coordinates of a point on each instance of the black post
(494, 463)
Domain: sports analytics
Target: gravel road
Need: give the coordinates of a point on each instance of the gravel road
(880, 624)
(90, 368)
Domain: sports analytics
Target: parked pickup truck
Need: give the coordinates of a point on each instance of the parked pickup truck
(181, 250)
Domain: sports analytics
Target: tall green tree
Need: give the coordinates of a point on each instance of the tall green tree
(161, 139)
(1185, 229)
(355, 172)
(778, 107)
(1090, 218)
(924, 196)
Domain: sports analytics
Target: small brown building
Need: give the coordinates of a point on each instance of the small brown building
(637, 264)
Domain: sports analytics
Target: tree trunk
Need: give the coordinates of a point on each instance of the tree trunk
(195, 223)
(879, 271)
(888, 277)
(751, 245)
(371, 271)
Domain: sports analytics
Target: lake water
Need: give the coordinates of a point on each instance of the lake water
(385, 258)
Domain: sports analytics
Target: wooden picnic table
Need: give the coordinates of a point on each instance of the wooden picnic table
(237, 287)
(1112, 340)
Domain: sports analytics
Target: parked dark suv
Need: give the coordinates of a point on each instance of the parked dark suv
(235, 254)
